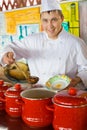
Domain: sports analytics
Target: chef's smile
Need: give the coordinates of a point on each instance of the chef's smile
(51, 23)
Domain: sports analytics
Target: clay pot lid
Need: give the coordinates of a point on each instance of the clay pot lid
(4, 85)
(14, 91)
(71, 97)
(1, 82)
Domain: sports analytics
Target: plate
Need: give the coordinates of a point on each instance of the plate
(14, 79)
(58, 82)
(14, 74)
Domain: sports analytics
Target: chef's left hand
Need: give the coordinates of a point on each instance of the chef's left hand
(74, 82)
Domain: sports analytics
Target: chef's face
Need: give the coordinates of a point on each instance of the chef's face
(51, 23)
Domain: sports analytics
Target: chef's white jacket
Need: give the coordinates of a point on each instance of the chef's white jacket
(47, 57)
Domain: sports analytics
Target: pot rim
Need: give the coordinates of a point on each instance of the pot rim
(35, 89)
(68, 106)
(12, 96)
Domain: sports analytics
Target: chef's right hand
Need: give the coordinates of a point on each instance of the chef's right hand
(8, 58)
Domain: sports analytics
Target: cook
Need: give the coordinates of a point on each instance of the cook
(51, 52)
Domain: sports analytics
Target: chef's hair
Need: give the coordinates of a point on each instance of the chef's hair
(59, 12)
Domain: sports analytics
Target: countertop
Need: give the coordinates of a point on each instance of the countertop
(10, 123)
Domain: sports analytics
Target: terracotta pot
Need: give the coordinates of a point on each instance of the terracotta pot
(70, 108)
(3, 87)
(34, 112)
(11, 95)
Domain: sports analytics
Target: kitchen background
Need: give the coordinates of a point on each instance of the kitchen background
(20, 18)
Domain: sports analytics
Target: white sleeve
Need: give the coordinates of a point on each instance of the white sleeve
(19, 48)
(82, 62)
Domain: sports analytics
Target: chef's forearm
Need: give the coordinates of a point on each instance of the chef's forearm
(75, 81)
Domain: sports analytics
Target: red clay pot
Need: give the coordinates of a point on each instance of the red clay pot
(70, 110)
(11, 95)
(34, 112)
(3, 88)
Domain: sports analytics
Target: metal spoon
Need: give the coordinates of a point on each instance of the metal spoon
(25, 75)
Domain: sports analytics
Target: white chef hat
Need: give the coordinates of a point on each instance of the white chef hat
(48, 5)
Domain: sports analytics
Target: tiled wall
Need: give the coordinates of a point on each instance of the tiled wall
(13, 4)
